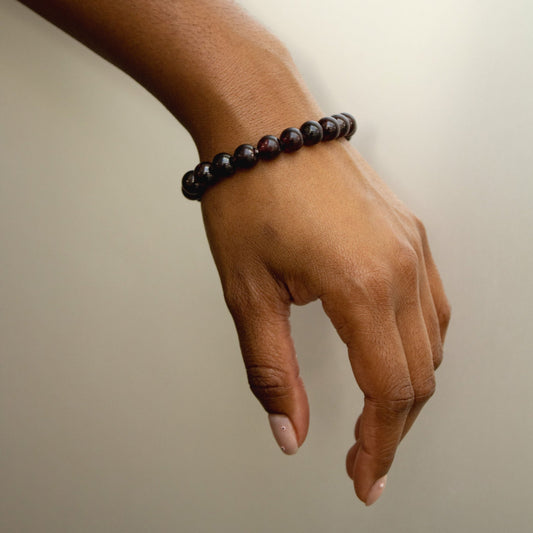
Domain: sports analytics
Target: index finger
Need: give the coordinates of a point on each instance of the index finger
(380, 368)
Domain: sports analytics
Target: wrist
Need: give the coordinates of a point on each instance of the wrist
(236, 104)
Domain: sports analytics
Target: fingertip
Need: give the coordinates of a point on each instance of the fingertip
(283, 431)
(369, 478)
(376, 490)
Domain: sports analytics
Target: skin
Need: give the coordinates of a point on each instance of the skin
(318, 224)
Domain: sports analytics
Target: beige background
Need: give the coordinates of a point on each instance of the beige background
(123, 401)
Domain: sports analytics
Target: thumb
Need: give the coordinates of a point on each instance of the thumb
(269, 356)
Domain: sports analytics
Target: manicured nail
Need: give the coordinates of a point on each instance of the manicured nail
(377, 489)
(283, 433)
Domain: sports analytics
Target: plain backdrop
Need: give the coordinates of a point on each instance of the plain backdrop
(124, 405)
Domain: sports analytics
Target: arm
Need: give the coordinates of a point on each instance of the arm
(220, 73)
(319, 224)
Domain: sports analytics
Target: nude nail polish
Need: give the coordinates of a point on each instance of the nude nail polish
(283, 433)
(377, 489)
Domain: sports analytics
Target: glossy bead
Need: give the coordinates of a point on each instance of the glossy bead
(344, 125)
(353, 125)
(268, 147)
(312, 132)
(291, 139)
(245, 156)
(203, 172)
(191, 187)
(223, 165)
(330, 128)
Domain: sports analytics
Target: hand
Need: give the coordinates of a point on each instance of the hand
(320, 223)
(316, 224)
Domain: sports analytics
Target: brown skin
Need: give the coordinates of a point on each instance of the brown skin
(318, 224)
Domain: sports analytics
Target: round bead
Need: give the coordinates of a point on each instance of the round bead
(203, 172)
(312, 132)
(344, 124)
(291, 139)
(245, 156)
(191, 187)
(268, 147)
(353, 125)
(223, 165)
(330, 127)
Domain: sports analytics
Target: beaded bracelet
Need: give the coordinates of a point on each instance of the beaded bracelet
(195, 182)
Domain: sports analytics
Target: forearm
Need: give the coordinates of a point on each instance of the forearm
(218, 71)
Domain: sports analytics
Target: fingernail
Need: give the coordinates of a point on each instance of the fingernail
(377, 489)
(283, 433)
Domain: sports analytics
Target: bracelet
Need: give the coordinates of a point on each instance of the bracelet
(195, 182)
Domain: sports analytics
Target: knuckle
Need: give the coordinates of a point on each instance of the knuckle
(378, 285)
(399, 399)
(425, 389)
(407, 262)
(438, 355)
(421, 228)
(268, 382)
(444, 312)
(421, 234)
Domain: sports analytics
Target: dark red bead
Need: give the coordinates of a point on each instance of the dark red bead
(291, 139)
(191, 187)
(223, 165)
(312, 132)
(203, 172)
(353, 125)
(245, 156)
(330, 128)
(344, 125)
(268, 147)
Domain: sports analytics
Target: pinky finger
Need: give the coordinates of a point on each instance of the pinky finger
(442, 305)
